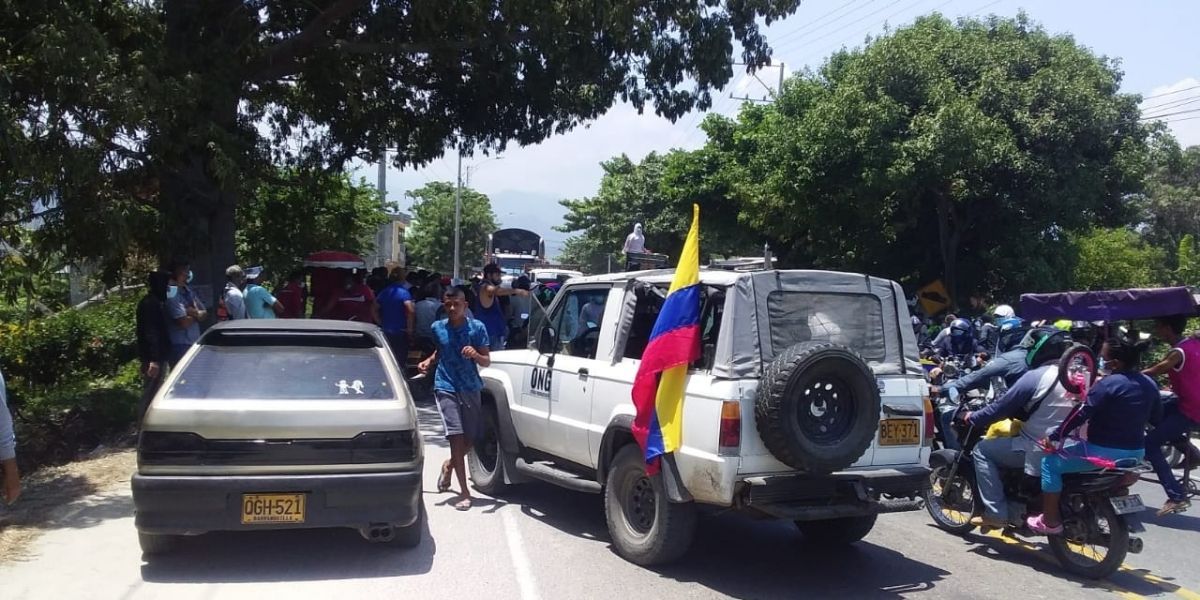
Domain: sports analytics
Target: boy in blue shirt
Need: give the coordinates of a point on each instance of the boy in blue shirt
(462, 347)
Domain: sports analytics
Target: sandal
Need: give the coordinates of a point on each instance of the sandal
(443, 482)
(1037, 524)
(463, 505)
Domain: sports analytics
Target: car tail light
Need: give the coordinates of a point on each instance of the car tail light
(929, 423)
(730, 436)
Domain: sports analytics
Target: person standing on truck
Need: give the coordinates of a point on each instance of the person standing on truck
(461, 348)
(634, 243)
(488, 308)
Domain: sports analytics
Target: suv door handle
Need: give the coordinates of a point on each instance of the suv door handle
(583, 371)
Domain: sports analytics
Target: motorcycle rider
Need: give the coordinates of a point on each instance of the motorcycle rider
(1181, 365)
(1038, 400)
(1116, 412)
(1009, 366)
(960, 342)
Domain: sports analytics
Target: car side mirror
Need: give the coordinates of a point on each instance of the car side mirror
(548, 341)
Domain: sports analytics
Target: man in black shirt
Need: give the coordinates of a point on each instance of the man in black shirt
(153, 340)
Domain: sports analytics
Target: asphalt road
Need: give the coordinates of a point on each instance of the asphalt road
(548, 543)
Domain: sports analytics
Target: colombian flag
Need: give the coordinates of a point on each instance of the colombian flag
(675, 342)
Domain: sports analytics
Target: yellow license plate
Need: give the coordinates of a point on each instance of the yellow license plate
(899, 432)
(272, 508)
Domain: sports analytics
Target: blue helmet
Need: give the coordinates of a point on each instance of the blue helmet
(960, 327)
(1012, 331)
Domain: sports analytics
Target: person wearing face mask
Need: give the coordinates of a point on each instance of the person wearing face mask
(487, 305)
(634, 243)
(153, 338)
(185, 310)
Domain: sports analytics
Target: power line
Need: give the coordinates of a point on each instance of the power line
(1172, 104)
(1169, 121)
(871, 28)
(810, 26)
(808, 43)
(1170, 93)
(1182, 112)
(1157, 109)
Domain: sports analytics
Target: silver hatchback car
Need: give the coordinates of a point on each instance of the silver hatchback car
(271, 424)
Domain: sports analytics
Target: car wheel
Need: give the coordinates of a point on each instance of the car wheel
(817, 409)
(837, 532)
(410, 535)
(153, 545)
(486, 459)
(646, 527)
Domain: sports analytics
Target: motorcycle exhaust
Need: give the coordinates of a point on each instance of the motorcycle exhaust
(1135, 545)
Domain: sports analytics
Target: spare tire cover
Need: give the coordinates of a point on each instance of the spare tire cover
(817, 407)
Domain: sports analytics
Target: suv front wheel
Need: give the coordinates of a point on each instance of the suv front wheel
(646, 527)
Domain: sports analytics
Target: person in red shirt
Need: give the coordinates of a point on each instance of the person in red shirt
(292, 295)
(353, 302)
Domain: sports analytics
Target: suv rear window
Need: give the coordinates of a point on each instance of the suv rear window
(854, 320)
(283, 373)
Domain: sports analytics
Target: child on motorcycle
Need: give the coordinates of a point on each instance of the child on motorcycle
(1116, 411)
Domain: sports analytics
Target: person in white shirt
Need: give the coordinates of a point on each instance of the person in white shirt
(634, 243)
(10, 486)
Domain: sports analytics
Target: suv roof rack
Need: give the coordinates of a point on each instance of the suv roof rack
(743, 264)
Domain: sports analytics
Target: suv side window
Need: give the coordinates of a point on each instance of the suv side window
(577, 318)
(646, 311)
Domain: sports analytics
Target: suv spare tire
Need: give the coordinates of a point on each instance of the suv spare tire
(817, 407)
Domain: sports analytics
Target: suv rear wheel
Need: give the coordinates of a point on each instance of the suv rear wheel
(837, 532)
(646, 527)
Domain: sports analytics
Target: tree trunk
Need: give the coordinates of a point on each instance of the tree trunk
(948, 239)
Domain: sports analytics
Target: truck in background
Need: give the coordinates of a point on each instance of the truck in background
(515, 251)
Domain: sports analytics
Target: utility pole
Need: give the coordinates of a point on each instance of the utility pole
(457, 217)
(772, 95)
(381, 177)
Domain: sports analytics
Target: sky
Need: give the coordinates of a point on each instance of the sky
(1155, 40)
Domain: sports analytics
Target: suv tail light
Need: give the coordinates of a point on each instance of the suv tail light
(929, 423)
(730, 436)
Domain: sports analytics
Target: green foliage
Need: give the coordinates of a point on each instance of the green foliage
(30, 281)
(963, 151)
(1187, 261)
(298, 213)
(431, 239)
(1110, 259)
(147, 121)
(1170, 205)
(658, 192)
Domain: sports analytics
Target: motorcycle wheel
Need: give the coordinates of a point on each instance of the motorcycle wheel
(951, 504)
(1094, 541)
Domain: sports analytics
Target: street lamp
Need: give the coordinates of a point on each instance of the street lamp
(458, 213)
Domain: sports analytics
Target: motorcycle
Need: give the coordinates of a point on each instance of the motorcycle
(1098, 512)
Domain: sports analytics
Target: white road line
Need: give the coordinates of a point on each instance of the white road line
(516, 549)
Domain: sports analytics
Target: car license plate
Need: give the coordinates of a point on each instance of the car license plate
(1125, 505)
(272, 508)
(899, 432)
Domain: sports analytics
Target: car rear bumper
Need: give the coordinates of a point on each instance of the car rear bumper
(189, 505)
(844, 494)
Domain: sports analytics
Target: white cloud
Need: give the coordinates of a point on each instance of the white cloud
(1178, 97)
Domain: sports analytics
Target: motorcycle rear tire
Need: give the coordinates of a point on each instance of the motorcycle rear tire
(1118, 546)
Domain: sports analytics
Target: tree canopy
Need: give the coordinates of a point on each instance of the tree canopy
(148, 121)
(967, 151)
(297, 213)
(1110, 259)
(430, 241)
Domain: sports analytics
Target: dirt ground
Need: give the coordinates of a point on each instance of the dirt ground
(46, 494)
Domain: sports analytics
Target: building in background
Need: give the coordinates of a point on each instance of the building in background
(389, 243)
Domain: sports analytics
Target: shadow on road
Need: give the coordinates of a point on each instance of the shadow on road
(1182, 522)
(746, 558)
(295, 555)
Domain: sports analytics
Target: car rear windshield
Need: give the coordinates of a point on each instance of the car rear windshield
(854, 320)
(283, 373)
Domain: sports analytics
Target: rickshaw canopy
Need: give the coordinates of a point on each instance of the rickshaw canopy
(1111, 305)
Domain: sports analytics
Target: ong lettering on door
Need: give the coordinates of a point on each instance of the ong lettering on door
(539, 382)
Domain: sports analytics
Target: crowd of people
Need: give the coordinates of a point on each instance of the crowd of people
(1126, 418)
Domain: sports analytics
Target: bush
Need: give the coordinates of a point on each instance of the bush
(72, 378)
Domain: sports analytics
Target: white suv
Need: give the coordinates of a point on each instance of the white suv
(807, 404)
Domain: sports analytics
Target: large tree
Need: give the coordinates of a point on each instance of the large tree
(1171, 202)
(431, 241)
(175, 108)
(963, 150)
(296, 213)
(657, 192)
